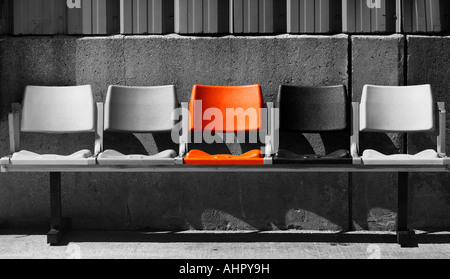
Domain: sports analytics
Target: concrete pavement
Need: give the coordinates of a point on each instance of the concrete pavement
(220, 245)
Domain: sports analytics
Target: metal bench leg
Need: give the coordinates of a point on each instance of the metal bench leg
(350, 201)
(404, 235)
(59, 226)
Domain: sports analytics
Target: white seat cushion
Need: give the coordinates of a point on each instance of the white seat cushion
(25, 157)
(427, 157)
(424, 154)
(112, 157)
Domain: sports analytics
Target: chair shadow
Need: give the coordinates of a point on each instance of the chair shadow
(234, 148)
(299, 144)
(128, 143)
(380, 142)
(335, 141)
(295, 142)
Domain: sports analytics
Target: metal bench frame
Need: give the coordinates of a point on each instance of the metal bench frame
(60, 226)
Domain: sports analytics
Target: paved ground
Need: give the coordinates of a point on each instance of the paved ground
(213, 245)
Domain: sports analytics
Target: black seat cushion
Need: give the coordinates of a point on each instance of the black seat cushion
(338, 157)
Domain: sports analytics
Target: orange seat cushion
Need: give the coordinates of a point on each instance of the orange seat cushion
(197, 157)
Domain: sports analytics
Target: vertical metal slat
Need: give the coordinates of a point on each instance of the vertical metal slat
(5, 16)
(126, 16)
(309, 14)
(181, 16)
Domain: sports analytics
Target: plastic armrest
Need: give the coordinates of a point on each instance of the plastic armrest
(14, 127)
(272, 135)
(183, 148)
(268, 147)
(5, 160)
(354, 151)
(99, 130)
(441, 139)
(354, 139)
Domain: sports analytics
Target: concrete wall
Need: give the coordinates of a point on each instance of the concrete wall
(208, 201)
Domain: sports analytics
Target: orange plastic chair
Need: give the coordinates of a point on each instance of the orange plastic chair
(242, 99)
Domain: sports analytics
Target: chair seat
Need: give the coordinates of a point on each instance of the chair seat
(24, 157)
(287, 157)
(113, 157)
(427, 157)
(197, 157)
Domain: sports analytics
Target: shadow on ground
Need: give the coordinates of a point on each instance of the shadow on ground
(342, 238)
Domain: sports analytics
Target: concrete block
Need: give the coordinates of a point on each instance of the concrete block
(429, 63)
(377, 60)
(100, 62)
(229, 60)
(34, 61)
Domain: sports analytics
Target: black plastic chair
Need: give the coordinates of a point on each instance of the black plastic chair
(314, 110)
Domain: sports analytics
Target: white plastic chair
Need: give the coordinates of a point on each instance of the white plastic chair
(52, 110)
(138, 110)
(398, 109)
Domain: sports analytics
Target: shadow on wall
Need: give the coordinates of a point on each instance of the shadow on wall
(183, 201)
(220, 201)
(215, 201)
(375, 194)
(210, 201)
(128, 143)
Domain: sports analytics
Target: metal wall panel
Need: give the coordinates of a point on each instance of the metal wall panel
(75, 18)
(5, 16)
(426, 16)
(202, 16)
(314, 16)
(146, 16)
(105, 16)
(39, 17)
(94, 17)
(370, 16)
(258, 16)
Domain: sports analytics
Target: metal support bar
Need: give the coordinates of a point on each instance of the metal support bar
(350, 201)
(404, 235)
(442, 130)
(14, 127)
(59, 226)
(99, 129)
(354, 137)
(184, 137)
(270, 130)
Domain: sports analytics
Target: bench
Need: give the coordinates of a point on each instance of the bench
(156, 109)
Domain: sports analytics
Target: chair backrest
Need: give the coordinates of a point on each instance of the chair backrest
(397, 109)
(240, 105)
(68, 109)
(313, 109)
(140, 109)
